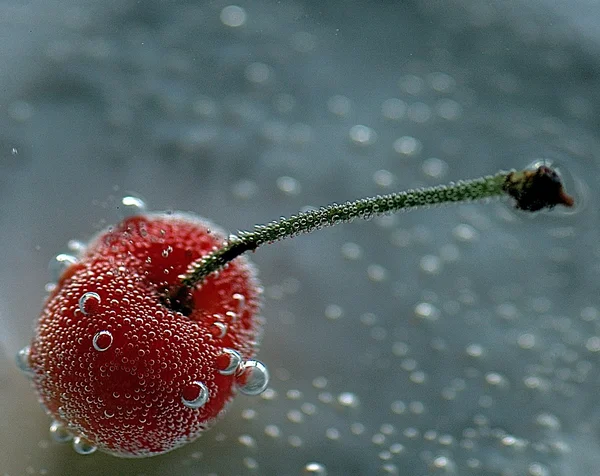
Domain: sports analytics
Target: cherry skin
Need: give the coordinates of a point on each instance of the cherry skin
(118, 364)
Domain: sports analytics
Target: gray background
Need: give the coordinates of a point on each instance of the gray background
(451, 341)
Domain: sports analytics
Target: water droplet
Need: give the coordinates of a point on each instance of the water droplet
(240, 301)
(218, 330)
(89, 302)
(228, 362)
(316, 469)
(132, 206)
(59, 432)
(59, 264)
(22, 359)
(102, 341)
(253, 377)
(83, 446)
(194, 395)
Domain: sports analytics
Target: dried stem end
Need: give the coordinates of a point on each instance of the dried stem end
(537, 189)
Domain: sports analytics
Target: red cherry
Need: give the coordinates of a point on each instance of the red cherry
(120, 367)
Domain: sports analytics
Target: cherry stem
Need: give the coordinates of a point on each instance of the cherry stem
(532, 190)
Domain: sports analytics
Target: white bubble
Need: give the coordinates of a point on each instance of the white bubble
(315, 469)
(348, 399)
(362, 135)
(333, 311)
(431, 264)
(407, 145)
(427, 310)
(233, 16)
(288, 185)
(132, 206)
(383, 178)
(434, 168)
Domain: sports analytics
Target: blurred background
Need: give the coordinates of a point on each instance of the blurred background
(451, 341)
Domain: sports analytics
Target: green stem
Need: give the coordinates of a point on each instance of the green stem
(532, 190)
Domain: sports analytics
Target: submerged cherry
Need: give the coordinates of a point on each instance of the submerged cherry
(152, 329)
(113, 363)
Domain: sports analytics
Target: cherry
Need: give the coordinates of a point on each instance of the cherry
(114, 364)
(149, 334)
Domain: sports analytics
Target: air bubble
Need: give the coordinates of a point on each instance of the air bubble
(83, 446)
(233, 16)
(102, 341)
(362, 136)
(288, 185)
(348, 399)
(76, 246)
(195, 395)
(315, 468)
(218, 330)
(59, 264)
(89, 302)
(22, 360)
(132, 206)
(434, 168)
(240, 301)
(228, 362)
(253, 377)
(59, 433)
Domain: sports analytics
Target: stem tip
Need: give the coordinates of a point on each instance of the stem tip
(537, 189)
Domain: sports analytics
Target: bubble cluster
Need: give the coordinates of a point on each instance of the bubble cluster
(121, 371)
